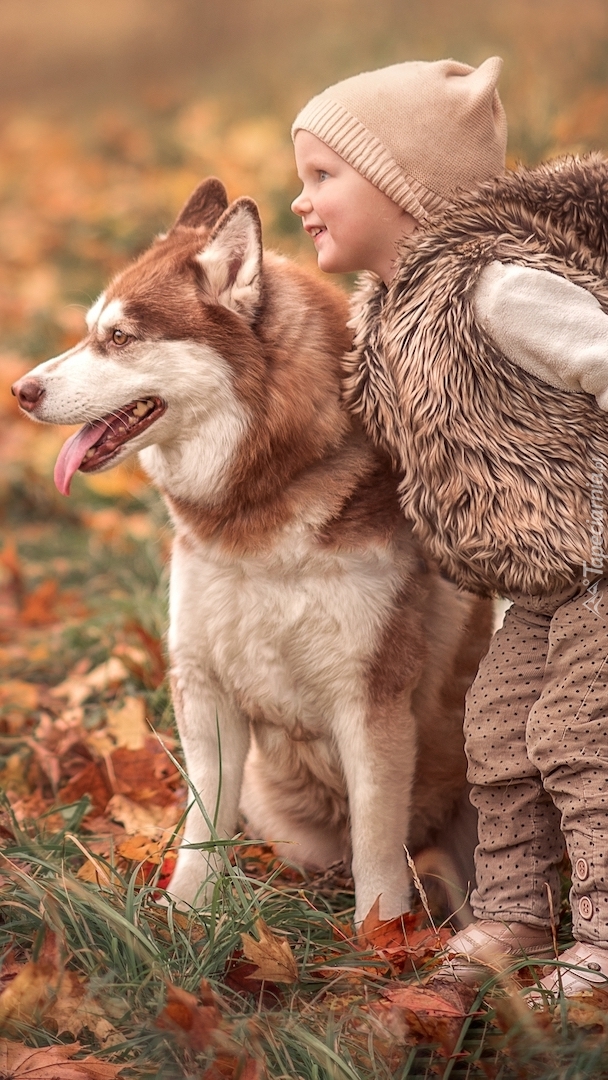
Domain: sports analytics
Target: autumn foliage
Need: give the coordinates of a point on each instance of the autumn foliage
(97, 978)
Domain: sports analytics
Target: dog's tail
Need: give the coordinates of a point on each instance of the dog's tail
(448, 869)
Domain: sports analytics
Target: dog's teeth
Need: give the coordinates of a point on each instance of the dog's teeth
(89, 454)
(141, 408)
(132, 420)
(150, 405)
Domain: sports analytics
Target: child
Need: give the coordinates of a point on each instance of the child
(490, 372)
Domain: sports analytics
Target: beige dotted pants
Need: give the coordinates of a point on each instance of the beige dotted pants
(536, 731)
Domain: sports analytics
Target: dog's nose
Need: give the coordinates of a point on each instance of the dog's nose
(28, 392)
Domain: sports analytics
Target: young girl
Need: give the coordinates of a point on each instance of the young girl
(481, 364)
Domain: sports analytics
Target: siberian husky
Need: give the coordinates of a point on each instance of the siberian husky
(313, 649)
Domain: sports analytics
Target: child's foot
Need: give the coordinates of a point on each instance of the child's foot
(589, 970)
(487, 945)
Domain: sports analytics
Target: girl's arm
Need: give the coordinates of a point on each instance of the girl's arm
(546, 324)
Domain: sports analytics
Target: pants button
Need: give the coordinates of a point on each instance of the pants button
(585, 908)
(581, 867)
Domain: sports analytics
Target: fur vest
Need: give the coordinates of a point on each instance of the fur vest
(497, 467)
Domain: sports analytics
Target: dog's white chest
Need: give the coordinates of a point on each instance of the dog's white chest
(285, 636)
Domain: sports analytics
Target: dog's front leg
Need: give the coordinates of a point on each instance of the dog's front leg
(215, 741)
(378, 753)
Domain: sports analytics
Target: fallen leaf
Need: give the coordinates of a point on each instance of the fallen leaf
(21, 695)
(234, 1067)
(39, 605)
(271, 954)
(74, 1008)
(89, 781)
(182, 1011)
(25, 997)
(19, 1062)
(153, 673)
(9, 559)
(417, 1013)
(127, 725)
(77, 688)
(200, 1025)
(150, 821)
(402, 941)
(147, 776)
(141, 848)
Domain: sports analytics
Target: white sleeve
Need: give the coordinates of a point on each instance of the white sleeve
(546, 325)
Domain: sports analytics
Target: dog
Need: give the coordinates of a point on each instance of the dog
(318, 662)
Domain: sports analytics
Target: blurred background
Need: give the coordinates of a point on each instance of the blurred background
(111, 111)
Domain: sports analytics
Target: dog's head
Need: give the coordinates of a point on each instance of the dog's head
(194, 284)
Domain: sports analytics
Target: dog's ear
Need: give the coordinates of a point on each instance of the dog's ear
(205, 205)
(232, 259)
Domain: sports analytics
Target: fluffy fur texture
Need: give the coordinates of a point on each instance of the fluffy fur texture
(312, 648)
(496, 465)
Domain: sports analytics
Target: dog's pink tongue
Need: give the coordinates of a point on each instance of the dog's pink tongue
(72, 454)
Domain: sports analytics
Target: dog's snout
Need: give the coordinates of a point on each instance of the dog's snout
(28, 392)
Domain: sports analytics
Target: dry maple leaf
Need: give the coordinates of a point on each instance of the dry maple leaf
(200, 1025)
(39, 606)
(127, 725)
(25, 996)
(402, 941)
(78, 687)
(74, 1009)
(15, 692)
(197, 1023)
(19, 1062)
(419, 1014)
(272, 955)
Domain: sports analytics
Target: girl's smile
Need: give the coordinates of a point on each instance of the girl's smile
(353, 225)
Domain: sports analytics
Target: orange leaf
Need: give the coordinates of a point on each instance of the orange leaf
(197, 1023)
(19, 1062)
(39, 606)
(27, 994)
(89, 781)
(272, 955)
(19, 694)
(141, 848)
(402, 941)
(422, 1014)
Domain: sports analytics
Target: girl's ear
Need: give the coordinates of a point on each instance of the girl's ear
(232, 259)
(205, 205)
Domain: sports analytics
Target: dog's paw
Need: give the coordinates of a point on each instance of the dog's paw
(192, 882)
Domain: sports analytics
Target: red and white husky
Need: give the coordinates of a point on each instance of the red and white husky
(308, 637)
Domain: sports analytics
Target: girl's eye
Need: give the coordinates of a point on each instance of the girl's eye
(119, 337)
(323, 175)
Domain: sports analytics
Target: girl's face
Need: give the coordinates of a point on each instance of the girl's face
(354, 226)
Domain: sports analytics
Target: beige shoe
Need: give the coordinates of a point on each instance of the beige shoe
(487, 946)
(587, 969)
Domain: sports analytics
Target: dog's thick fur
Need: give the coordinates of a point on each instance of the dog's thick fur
(496, 463)
(308, 637)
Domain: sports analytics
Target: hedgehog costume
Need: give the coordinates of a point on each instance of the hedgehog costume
(483, 371)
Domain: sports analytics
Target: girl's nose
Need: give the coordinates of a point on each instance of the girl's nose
(301, 205)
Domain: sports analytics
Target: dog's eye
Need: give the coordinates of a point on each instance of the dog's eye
(119, 337)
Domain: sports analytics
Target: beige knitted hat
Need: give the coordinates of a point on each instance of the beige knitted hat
(418, 131)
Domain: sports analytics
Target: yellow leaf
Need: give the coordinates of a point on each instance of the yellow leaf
(24, 997)
(272, 955)
(77, 688)
(137, 848)
(128, 725)
(74, 1009)
(21, 695)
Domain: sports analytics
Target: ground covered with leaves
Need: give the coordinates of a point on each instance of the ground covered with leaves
(98, 977)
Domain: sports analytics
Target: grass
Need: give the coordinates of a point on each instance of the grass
(108, 555)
